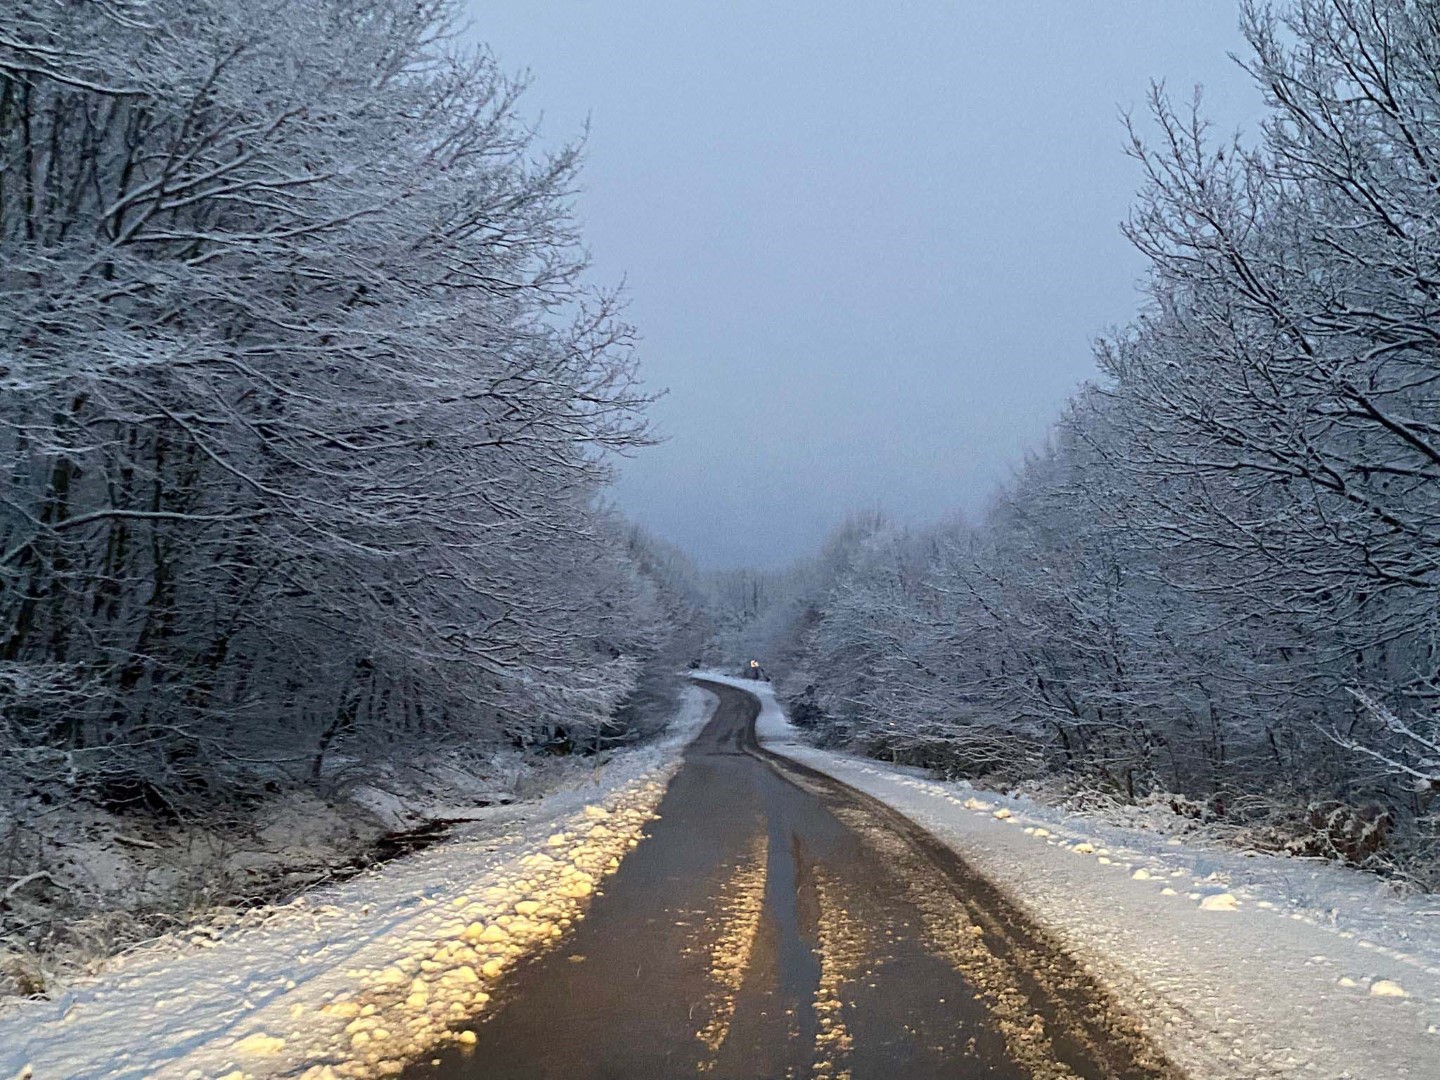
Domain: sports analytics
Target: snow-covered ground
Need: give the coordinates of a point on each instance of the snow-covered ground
(97, 881)
(1240, 966)
(351, 980)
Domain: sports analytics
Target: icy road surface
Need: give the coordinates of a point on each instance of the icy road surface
(776, 924)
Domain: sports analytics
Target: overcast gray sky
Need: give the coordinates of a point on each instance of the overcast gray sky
(867, 244)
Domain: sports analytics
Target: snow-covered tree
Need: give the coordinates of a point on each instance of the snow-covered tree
(1220, 580)
(305, 405)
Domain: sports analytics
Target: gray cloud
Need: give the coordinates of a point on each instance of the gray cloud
(867, 244)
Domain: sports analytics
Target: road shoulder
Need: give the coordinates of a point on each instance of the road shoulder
(1229, 985)
(351, 980)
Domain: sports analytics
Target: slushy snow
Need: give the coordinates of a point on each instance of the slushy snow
(356, 979)
(1240, 966)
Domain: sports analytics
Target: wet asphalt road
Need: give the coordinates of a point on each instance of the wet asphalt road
(777, 924)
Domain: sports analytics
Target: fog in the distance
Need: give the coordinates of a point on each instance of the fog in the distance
(867, 244)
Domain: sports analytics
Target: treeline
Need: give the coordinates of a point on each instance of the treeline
(1222, 579)
(305, 408)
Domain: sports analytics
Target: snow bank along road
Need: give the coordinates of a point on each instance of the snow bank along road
(356, 979)
(1239, 967)
(777, 924)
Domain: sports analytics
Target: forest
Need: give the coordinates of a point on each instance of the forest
(309, 408)
(359, 719)
(1217, 589)
(306, 413)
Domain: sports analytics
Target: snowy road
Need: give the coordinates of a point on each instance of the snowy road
(776, 924)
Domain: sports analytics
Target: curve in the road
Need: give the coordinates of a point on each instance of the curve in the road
(777, 923)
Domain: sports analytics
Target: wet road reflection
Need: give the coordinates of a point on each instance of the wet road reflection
(775, 925)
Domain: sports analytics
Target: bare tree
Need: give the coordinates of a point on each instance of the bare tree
(306, 403)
